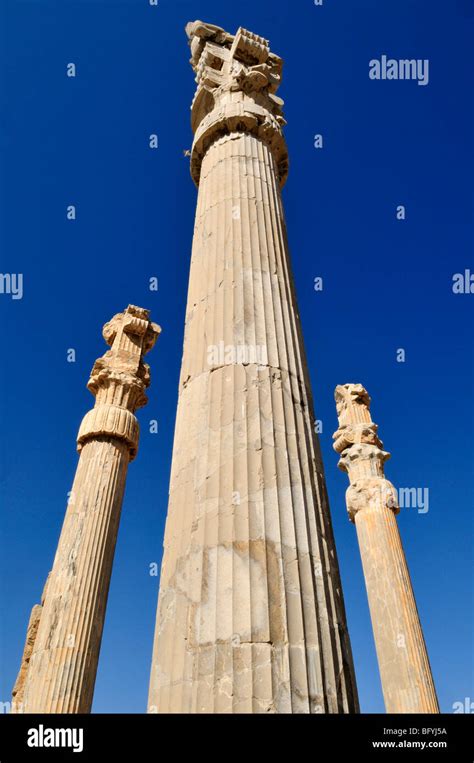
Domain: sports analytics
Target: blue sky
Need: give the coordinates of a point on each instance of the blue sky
(387, 283)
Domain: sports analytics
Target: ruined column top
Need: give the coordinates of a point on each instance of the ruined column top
(120, 378)
(134, 321)
(362, 453)
(130, 336)
(237, 78)
(247, 48)
(355, 422)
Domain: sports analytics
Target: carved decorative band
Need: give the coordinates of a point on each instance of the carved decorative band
(111, 421)
(371, 493)
(353, 434)
(243, 116)
(361, 455)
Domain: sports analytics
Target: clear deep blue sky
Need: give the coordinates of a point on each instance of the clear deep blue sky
(387, 283)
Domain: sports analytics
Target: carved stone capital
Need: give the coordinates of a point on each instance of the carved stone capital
(362, 454)
(371, 493)
(357, 438)
(120, 388)
(352, 403)
(363, 458)
(352, 434)
(237, 78)
(119, 379)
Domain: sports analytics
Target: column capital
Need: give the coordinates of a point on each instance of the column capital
(355, 422)
(374, 493)
(237, 78)
(362, 453)
(119, 378)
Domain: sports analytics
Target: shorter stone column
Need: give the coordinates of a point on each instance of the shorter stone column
(59, 664)
(372, 504)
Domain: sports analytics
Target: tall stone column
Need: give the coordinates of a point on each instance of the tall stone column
(250, 614)
(64, 634)
(372, 504)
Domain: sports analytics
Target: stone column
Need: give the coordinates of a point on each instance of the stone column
(62, 650)
(372, 504)
(250, 614)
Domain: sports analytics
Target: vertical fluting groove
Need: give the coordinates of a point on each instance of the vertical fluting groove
(199, 647)
(290, 412)
(86, 584)
(93, 576)
(198, 616)
(409, 617)
(52, 689)
(420, 692)
(89, 576)
(291, 318)
(215, 393)
(276, 684)
(224, 576)
(294, 423)
(293, 531)
(237, 201)
(175, 645)
(247, 265)
(259, 341)
(212, 536)
(289, 540)
(235, 224)
(233, 485)
(304, 401)
(187, 538)
(182, 520)
(70, 689)
(262, 250)
(108, 524)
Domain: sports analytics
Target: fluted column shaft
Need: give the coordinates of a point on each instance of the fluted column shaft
(401, 651)
(61, 655)
(405, 671)
(250, 614)
(63, 665)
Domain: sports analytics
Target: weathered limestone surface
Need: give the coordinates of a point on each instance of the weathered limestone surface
(31, 631)
(62, 650)
(250, 615)
(372, 504)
